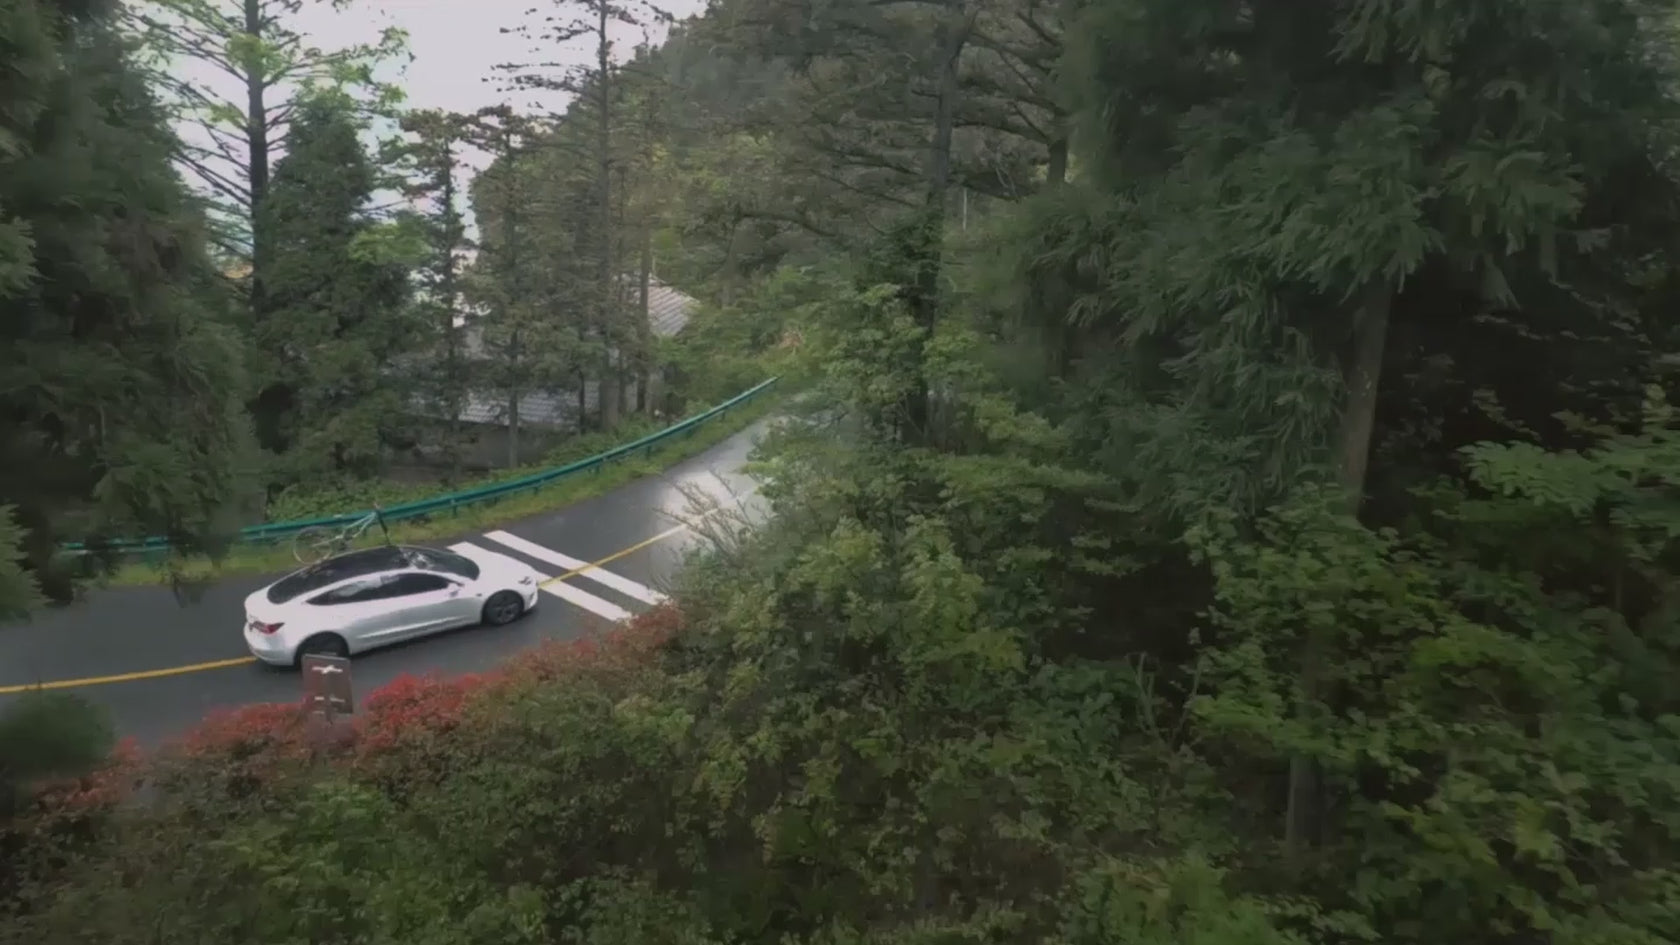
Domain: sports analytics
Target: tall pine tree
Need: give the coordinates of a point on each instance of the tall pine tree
(116, 362)
(336, 311)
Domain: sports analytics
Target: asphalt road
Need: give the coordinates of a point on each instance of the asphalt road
(156, 646)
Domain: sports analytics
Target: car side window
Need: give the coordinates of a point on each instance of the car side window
(384, 587)
(409, 584)
(353, 593)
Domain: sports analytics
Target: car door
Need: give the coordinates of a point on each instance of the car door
(429, 603)
(360, 611)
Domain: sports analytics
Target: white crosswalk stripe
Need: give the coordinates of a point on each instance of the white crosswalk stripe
(599, 606)
(602, 576)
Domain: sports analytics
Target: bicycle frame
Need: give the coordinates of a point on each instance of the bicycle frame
(314, 543)
(356, 528)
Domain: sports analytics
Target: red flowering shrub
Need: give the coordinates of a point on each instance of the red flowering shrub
(627, 648)
(403, 729)
(407, 739)
(402, 733)
(246, 731)
(234, 752)
(412, 706)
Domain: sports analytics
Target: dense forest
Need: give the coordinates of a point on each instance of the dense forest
(1229, 505)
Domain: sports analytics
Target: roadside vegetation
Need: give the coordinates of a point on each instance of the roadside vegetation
(282, 294)
(1234, 508)
(277, 557)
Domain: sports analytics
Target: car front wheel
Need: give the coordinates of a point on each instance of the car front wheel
(503, 607)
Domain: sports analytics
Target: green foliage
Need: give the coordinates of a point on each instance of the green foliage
(1500, 739)
(538, 296)
(724, 347)
(48, 735)
(433, 158)
(333, 497)
(1065, 627)
(18, 592)
(120, 373)
(334, 313)
(274, 67)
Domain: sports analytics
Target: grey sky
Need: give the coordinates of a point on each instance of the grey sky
(458, 43)
(456, 46)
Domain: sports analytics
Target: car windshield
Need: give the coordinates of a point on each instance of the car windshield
(333, 570)
(446, 561)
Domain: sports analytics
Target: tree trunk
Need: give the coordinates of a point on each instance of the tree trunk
(928, 249)
(512, 296)
(274, 401)
(622, 357)
(1361, 376)
(513, 393)
(644, 328)
(1056, 173)
(453, 382)
(1065, 336)
(730, 276)
(609, 394)
(256, 138)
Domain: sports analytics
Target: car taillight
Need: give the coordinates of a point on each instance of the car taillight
(264, 628)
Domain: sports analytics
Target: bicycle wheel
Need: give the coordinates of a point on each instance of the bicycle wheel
(314, 544)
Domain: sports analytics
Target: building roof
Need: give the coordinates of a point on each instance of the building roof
(668, 309)
(544, 409)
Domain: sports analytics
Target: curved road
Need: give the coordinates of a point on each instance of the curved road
(158, 663)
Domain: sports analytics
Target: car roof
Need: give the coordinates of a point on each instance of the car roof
(352, 565)
(324, 574)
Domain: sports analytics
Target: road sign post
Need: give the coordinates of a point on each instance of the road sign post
(326, 686)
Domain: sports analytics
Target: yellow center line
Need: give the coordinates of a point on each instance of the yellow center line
(130, 677)
(638, 546)
(245, 660)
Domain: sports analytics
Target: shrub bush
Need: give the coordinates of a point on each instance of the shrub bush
(46, 735)
(431, 772)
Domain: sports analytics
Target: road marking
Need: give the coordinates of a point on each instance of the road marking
(619, 583)
(486, 557)
(247, 660)
(646, 542)
(129, 677)
(599, 606)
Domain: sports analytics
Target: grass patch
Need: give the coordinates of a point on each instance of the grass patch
(268, 559)
(323, 499)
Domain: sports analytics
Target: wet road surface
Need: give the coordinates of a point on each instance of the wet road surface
(124, 631)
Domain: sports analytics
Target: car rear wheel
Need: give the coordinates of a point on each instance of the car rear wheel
(503, 607)
(323, 644)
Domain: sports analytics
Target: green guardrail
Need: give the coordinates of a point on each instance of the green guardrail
(270, 532)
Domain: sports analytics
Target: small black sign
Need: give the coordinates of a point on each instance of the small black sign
(326, 685)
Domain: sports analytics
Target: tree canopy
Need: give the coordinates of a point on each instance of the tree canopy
(1228, 497)
(119, 358)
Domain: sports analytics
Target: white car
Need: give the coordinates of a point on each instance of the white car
(365, 599)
